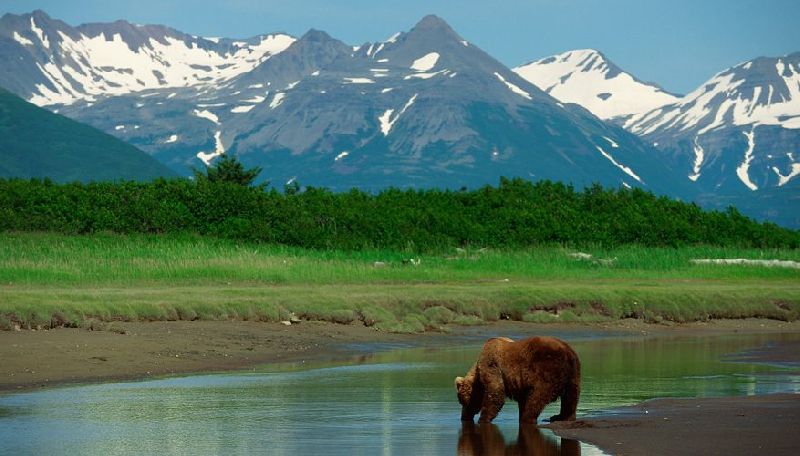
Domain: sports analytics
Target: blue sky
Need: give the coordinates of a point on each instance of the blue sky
(675, 43)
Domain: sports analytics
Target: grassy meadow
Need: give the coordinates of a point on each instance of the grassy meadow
(59, 280)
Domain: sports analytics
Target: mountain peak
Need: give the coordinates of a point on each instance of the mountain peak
(762, 91)
(431, 21)
(315, 36)
(39, 14)
(433, 24)
(587, 77)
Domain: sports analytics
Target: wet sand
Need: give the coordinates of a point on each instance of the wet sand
(39, 359)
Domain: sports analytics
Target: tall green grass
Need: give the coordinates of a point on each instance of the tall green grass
(47, 259)
(51, 280)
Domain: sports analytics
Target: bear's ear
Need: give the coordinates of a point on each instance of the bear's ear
(459, 381)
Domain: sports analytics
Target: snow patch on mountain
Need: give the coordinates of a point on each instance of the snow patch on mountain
(783, 179)
(387, 121)
(423, 75)
(744, 167)
(513, 87)
(426, 62)
(277, 100)
(611, 141)
(622, 167)
(699, 156)
(21, 39)
(352, 80)
(219, 149)
(587, 78)
(206, 114)
(40, 34)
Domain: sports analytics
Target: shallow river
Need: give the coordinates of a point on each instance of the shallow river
(397, 402)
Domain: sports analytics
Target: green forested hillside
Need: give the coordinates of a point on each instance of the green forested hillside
(37, 143)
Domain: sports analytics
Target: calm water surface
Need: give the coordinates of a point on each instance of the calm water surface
(397, 402)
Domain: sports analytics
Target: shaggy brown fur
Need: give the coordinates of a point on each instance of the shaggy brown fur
(534, 372)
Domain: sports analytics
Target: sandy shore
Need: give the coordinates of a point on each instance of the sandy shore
(38, 359)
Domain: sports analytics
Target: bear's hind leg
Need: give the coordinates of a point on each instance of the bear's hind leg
(532, 405)
(569, 403)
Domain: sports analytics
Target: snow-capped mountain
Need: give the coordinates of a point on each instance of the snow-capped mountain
(586, 77)
(738, 131)
(764, 91)
(55, 63)
(736, 135)
(423, 108)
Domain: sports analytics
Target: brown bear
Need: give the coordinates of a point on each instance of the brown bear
(534, 372)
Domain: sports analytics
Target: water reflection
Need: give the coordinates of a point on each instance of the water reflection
(487, 440)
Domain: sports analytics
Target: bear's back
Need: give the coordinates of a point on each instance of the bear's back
(540, 352)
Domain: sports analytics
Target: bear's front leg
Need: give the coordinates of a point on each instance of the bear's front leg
(493, 400)
(468, 414)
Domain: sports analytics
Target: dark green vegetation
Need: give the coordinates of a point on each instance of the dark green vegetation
(227, 168)
(515, 214)
(51, 280)
(34, 142)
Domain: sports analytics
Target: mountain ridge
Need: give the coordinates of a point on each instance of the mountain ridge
(61, 64)
(423, 108)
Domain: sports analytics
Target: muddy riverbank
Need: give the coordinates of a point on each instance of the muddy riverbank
(37, 359)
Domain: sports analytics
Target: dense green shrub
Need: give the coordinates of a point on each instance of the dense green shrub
(516, 213)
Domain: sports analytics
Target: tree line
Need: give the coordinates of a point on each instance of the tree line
(515, 213)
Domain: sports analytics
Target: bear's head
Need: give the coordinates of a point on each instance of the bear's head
(470, 396)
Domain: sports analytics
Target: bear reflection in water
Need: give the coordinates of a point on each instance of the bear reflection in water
(485, 439)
